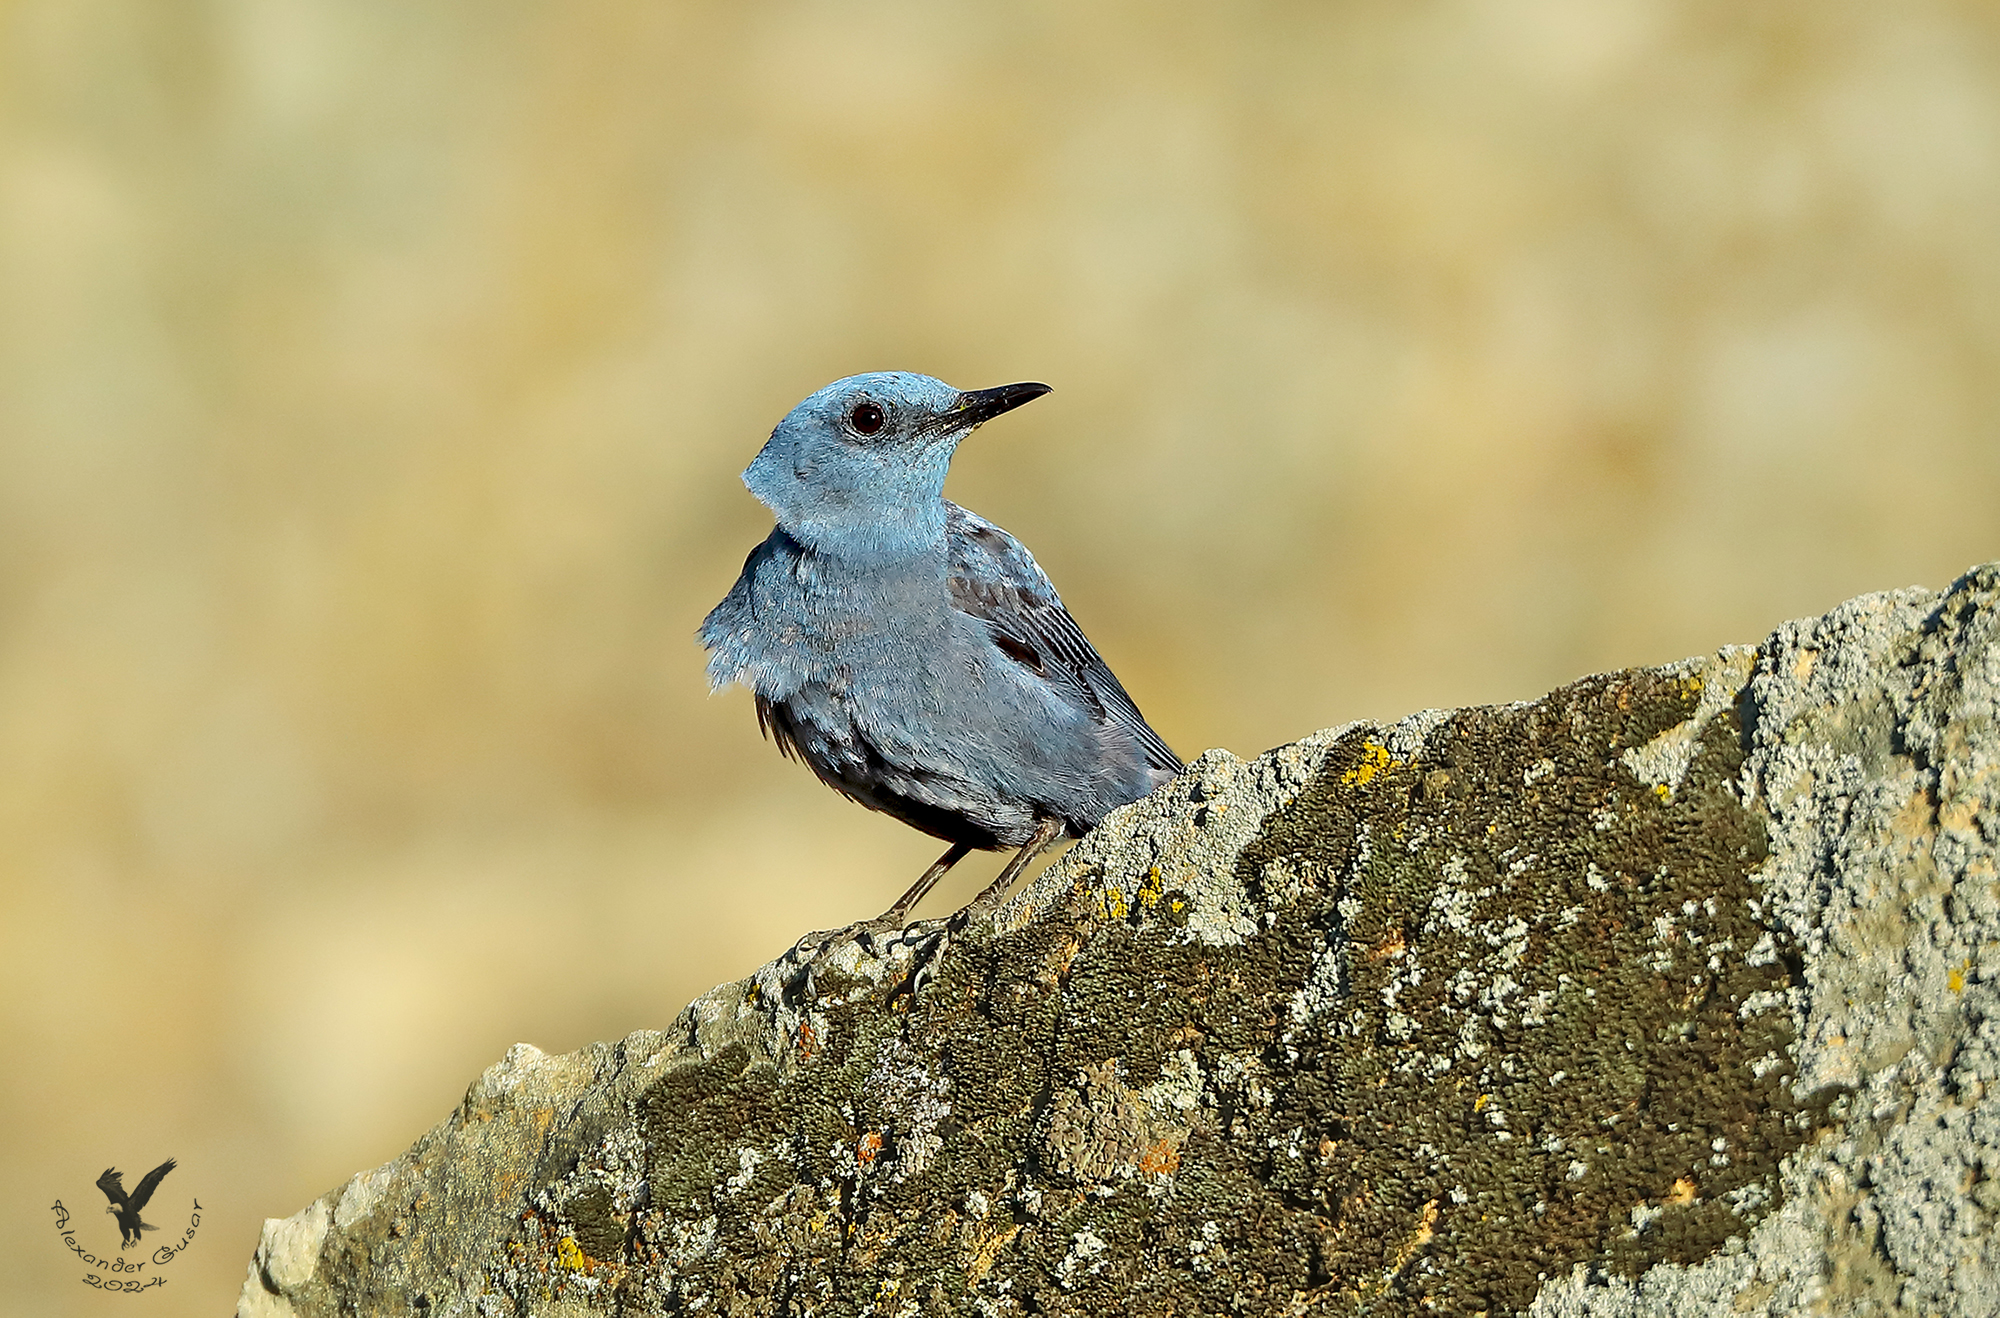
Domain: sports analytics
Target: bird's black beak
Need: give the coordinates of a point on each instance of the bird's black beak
(985, 404)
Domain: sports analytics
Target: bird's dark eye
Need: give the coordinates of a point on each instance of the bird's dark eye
(866, 418)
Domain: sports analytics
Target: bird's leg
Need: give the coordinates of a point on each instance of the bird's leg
(1046, 834)
(896, 915)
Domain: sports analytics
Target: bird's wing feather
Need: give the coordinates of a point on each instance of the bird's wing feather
(152, 1180)
(113, 1185)
(995, 579)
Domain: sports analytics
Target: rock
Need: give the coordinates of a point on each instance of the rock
(1675, 991)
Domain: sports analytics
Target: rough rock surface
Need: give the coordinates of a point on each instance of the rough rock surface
(1675, 991)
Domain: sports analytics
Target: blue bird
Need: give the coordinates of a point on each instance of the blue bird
(912, 653)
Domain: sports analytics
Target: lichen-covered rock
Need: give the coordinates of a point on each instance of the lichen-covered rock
(1676, 991)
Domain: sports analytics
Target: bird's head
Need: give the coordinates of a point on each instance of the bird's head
(858, 468)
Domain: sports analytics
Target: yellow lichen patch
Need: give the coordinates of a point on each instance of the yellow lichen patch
(1479, 1104)
(1393, 945)
(1113, 905)
(1149, 891)
(1955, 981)
(1959, 814)
(1374, 759)
(1663, 791)
(1426, 1229)
(1162, 1159)
(984, 1256)
(1691, 686)
(1423, 1235)
(1682, 1193)
(570, 1255)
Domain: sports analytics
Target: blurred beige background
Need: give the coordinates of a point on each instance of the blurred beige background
(374, 378)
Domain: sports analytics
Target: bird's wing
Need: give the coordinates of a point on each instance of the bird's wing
(146, 1186)
(995, 579)
(113, 1185)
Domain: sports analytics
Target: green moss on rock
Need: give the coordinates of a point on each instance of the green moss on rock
(1510, 1009)
(1556, 1028)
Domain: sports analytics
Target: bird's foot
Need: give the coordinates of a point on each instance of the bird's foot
(878, 937)
(883, 936)
(810, 946)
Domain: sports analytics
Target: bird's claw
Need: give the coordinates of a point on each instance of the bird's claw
(809, 946)
(877, 937)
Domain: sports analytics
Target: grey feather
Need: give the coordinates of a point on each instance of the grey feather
(995, 579)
